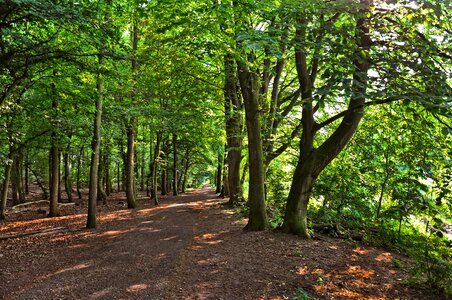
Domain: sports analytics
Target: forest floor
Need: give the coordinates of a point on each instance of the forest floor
(189, 247)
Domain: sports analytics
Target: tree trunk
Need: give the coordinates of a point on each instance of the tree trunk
(131, 128)
(79, 170)
(54, 180)
(155, 168)
(164, 185)
(175, 179)
(225, 180)
(186, 167)
(130, 167)
(67, 173)
(45, 193)
(101, 195)
(16, 179)
(27, 173)
(5, 185)
(312, 161)
(95, 145)
(142, 168)
(54, 159)
(107, 172)
(118, 176)
(219, 175)
(250, 90)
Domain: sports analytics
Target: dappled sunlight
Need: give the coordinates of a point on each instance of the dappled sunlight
(148, 222)
(113, 233)
(104, 293)
(345, 293)
(117, 215)
(384, 257)
(170, 238)
(74, 268)
(44, 223)
(137, 287)
(78, 246)
(149, 230)
(357, 271)
(209, 238)
(358, 250)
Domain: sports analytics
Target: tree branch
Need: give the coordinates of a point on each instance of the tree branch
(318, 126)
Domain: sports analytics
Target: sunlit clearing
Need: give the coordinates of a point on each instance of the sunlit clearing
(137, 287)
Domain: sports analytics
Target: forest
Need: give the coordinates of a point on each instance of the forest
(313, 118)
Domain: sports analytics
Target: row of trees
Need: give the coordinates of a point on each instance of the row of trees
(88, 92)
(296, 76)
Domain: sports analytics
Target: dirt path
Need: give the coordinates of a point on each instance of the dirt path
(190, 247)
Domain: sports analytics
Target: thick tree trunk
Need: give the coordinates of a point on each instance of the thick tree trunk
(131, 128)
(250, 90)
(95, 146)
(175, 179)
(54, 160)
(54, 180)
(312, 161)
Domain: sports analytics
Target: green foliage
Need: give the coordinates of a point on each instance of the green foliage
(301, 295)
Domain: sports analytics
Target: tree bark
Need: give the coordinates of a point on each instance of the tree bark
(130, 167)
(175, 179)
(16, 179)
(155, 168)
(250, 89)
(95, 145)
(311, 160)
(131, 128)
(186, 167)
(219, 175)
(234, 128)
(27, 173)
(107, 173)
(5, 185)
(54, 159)
(79, 170)
(67, 173)
(101, 195)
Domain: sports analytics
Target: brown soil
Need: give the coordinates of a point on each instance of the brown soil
(189, 247)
